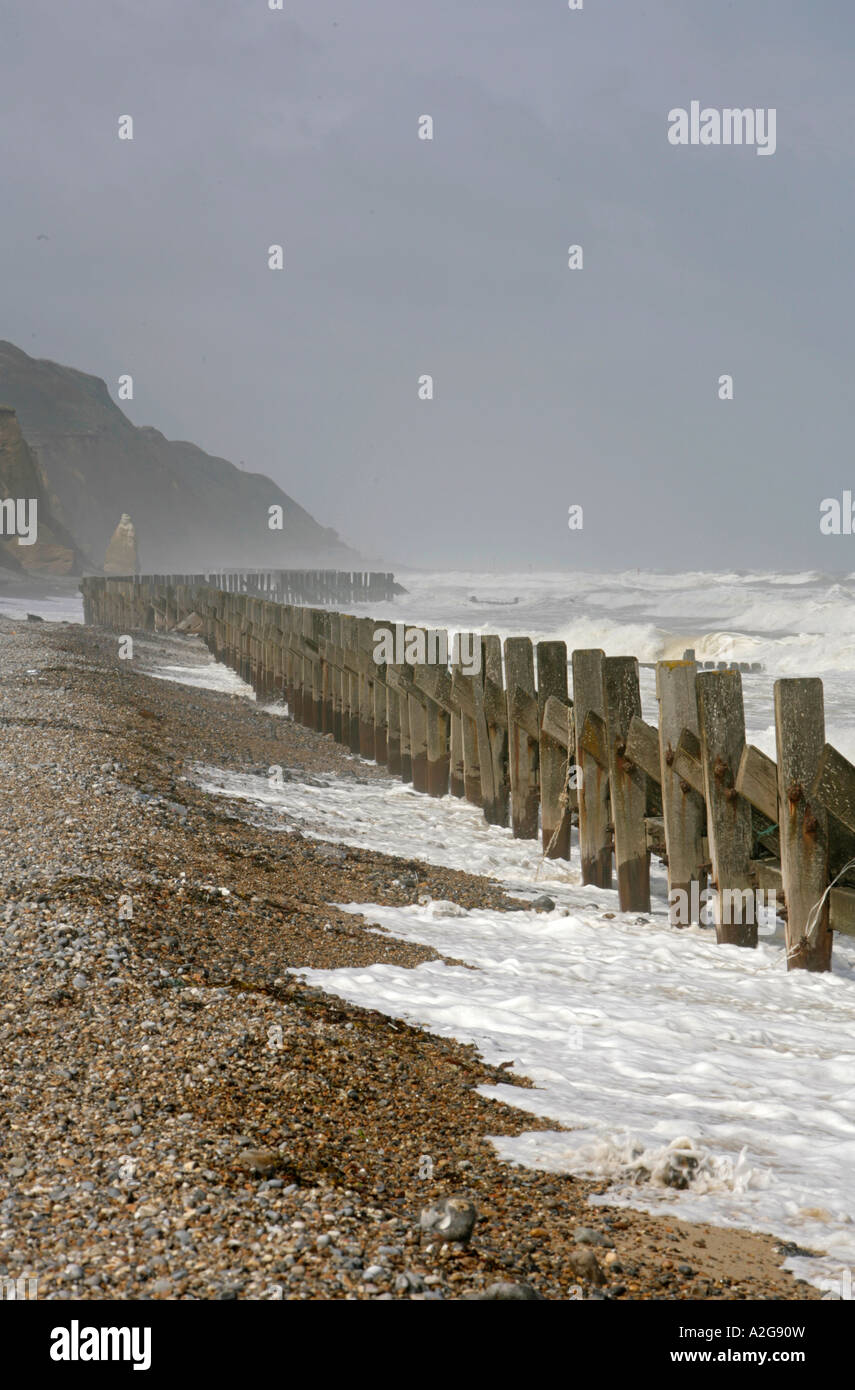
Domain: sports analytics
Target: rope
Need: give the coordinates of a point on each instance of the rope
(564, 803)
(809, 937)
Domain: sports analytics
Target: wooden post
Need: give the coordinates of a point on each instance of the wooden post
(457, 778)
(800, 731)
(393, 730)
(492, 723)
(594, 837)
(683, 809)
(350, 709)
(381, 717)
(365, 648)
(523, 737)
(418, 742)
(722, 725)
(554, 756)
(464, 693)
(627, 785)
(437, 718)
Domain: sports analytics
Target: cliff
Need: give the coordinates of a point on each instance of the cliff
(192, 511)
(53, 550)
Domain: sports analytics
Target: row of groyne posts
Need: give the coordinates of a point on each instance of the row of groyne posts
(502, 730)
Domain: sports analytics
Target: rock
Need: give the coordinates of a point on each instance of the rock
(507, 1293)
(34, 618)
(543, 904)
(373, 1272)
(263, 1162)
(586, 1235)
(121, 557)
(450, 1218)
(584, 1264)
(192, 624)
(80, 982)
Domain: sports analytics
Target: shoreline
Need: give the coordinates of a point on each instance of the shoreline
(158, 1151)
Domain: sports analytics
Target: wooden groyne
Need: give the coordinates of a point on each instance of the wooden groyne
(507, 733)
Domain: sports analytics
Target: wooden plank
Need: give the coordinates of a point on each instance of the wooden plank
(841, 901)
(594, 739)
(557, 722)
(627, 785)
(683, 809)
(462, 692)
(523, 746)
(803, 822)
(522, 708)
(554, 758)
(722, 726)
(642, 747)
(435, 683)
(757, 781)
(688, 764)
(595, 844)
(834, 785)
(654, 829)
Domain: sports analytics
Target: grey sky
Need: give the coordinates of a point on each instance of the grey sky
(406, 257)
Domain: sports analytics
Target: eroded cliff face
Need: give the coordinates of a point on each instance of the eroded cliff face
(192, 511)
(32, 538)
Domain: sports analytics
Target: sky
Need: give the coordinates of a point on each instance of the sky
(596, 387)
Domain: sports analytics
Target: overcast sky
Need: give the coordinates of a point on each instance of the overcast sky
(403, 257)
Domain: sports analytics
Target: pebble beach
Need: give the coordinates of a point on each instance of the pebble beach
(183, 1118)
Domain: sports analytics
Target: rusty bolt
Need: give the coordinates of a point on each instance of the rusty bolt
(684, 786)
(719, 769)
(669, 755)
(795, 793)
(811, 822)
(731, 794)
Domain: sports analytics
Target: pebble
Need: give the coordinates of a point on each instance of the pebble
(508, 1293)
(586, 1235)
(452, 1218)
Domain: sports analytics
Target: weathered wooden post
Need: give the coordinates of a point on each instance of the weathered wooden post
(366, 671)
(336, 675)
(462, 687)
(554, 755)
(722, 725)
(492, 725)
(595, 846)
(627, 785)
(800, 731)
(523, 737)
(418, 741)
(683, 810)
(350, 717)
(381, 711)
